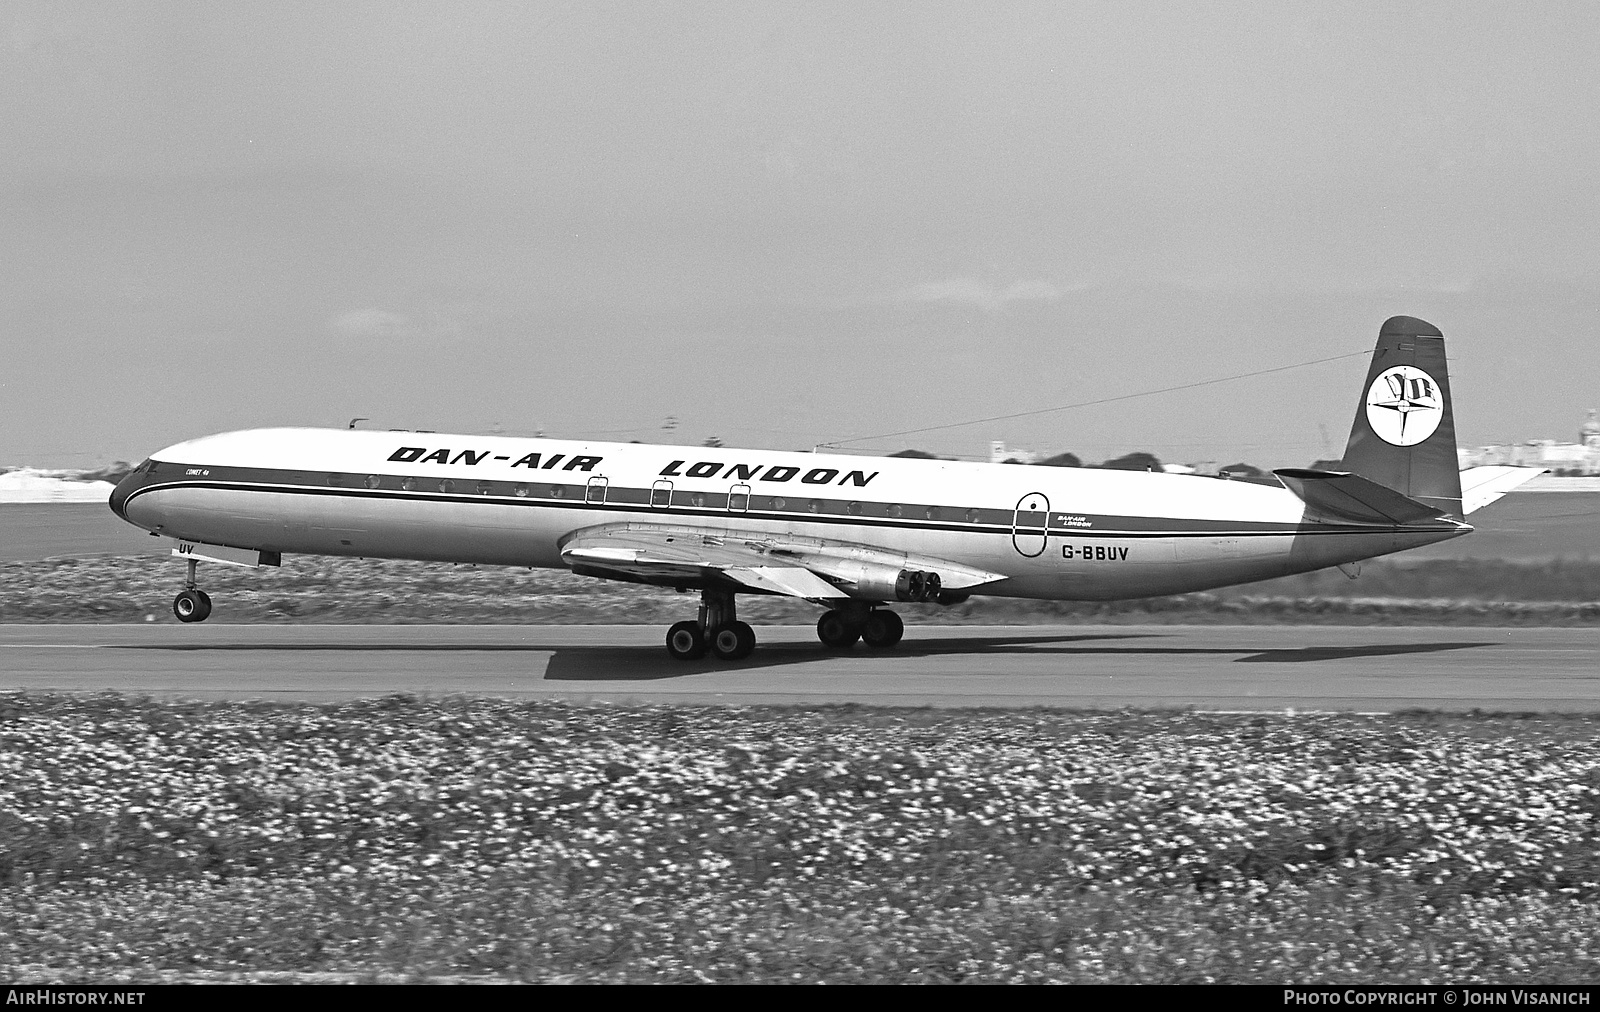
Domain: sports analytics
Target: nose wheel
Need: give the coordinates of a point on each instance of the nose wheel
(192, 604)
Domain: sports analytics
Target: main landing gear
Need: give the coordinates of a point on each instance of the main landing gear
(192, 604)
(718, 630)
(839, 628)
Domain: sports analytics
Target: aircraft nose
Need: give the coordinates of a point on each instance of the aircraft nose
(125, 487)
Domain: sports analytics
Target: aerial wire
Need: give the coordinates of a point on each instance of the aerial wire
(837, 443)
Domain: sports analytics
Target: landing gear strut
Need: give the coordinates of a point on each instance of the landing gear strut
(192, 604)
(718, 630)
(839, 628)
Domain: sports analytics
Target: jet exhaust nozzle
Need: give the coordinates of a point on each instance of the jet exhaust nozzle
(878, 582)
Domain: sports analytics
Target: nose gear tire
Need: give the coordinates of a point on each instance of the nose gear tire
(191, 606)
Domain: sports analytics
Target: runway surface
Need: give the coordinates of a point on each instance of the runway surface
(1206, 667)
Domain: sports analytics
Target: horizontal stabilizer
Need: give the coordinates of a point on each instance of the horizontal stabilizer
(1481, 486)
(1349, 498)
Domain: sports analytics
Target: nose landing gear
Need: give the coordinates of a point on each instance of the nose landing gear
(192, 604)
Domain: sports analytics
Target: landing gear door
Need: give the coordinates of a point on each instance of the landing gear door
(1030, 528)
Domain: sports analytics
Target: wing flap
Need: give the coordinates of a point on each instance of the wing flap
(791, 581)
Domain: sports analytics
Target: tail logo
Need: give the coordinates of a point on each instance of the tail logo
(1404, 405)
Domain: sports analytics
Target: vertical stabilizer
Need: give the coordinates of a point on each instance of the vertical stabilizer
(1404, 436)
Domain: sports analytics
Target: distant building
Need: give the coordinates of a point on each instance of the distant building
(999, 453)
(1582, 457)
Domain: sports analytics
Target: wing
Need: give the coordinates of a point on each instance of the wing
(1481, 486)
(812, 568)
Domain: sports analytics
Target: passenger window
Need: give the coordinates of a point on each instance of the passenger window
(373, 481)
(484, 488)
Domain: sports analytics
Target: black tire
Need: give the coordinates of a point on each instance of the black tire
(685, 642)
(836, 633)
(733, 642)
(191, 606)
(883, 630)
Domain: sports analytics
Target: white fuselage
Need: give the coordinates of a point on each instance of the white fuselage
(1062, 533)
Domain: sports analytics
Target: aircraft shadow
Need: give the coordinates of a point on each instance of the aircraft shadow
(621, 664)
(607, 664)
(650, 663)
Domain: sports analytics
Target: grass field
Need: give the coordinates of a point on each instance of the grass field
(447, 839)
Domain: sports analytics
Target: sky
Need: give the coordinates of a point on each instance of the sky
(790, 224)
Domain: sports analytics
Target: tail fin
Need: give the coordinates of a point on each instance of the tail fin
(1404, 436)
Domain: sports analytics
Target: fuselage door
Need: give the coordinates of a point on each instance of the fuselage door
(596, 491)
(739, 498)
(661, 495)
(1031, 526)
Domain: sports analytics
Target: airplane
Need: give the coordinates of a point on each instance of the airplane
(852, 534)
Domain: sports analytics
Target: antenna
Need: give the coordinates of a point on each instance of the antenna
(353, 422)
